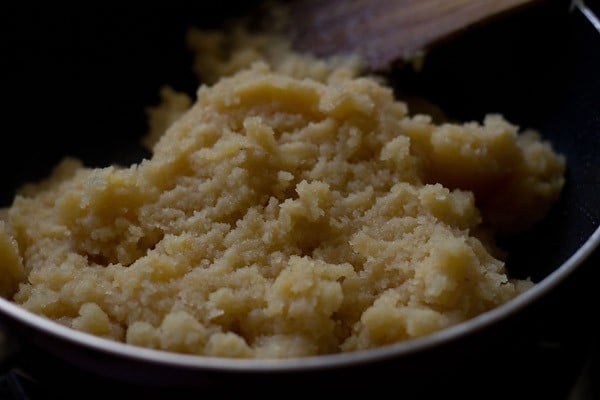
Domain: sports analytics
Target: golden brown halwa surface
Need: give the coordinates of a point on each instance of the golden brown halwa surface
(293, 209)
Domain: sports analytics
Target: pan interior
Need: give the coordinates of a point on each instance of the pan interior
(540, 75)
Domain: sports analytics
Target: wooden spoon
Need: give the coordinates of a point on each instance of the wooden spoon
(386, 31)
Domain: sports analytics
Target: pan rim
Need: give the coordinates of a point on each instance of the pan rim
(311, 363)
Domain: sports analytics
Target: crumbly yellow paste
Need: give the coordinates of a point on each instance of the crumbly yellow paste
(295, 209)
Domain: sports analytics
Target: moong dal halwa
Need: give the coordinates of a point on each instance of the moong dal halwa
(293, 209)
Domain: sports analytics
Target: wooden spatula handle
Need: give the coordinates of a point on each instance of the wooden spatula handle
(385, 30)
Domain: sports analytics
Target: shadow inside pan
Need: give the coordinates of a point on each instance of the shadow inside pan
(538, 69)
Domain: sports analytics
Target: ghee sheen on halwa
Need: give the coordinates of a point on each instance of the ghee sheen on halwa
(294, 208)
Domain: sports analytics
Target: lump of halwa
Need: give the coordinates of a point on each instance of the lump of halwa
(280, 216)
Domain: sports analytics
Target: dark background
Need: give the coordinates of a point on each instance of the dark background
(76, 81)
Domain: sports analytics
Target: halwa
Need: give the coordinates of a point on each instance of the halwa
(294, 209)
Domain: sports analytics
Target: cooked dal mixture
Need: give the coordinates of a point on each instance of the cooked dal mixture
(294, 208)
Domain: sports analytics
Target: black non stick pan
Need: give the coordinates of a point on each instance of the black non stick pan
(76, 81)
